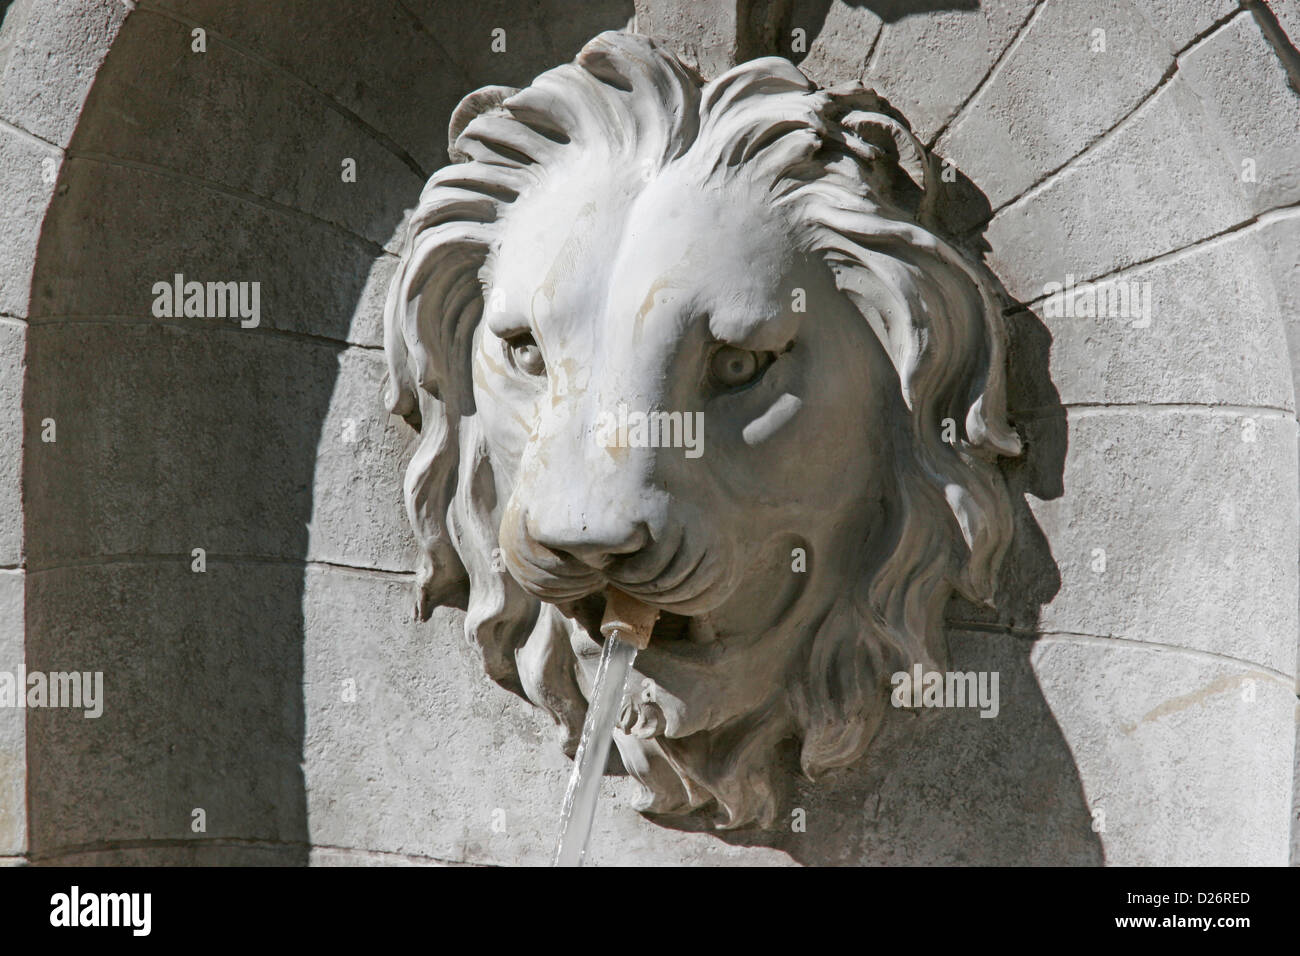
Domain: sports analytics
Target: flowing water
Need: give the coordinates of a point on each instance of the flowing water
(593, 750)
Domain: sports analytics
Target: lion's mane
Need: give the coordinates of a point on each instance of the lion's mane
(859, 188)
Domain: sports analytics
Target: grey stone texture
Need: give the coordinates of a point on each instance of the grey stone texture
(1123, 201)
(12, 348)
(1160, 691)
(928, 65)
(13, 722)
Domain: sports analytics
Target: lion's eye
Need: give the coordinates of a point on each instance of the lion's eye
(524, 354)
(731, 367)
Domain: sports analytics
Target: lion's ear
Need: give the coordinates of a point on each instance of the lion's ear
(476, 104)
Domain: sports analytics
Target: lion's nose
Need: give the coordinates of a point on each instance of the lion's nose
(595, 543)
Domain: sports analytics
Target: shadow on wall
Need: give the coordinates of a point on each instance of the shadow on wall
(947, 786)
(190, 432)
(811, 16)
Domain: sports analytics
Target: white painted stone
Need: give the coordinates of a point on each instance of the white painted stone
(559, 314)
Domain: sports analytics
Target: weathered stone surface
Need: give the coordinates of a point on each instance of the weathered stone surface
(49, 56)
(1212, 338)
(336, 856)
(432, 761)
(13, 722)
(27, 175)
(202, 705)
(1251, 111)
(1192, 559)
(702, 35)
(1280, 244)
(1188, 757)
(1026, 121)
(188, 112)
(928, 66)
(1068, 227)
(13, 339)
(199, 853)
(538, 35)
(357, 512)
(154, 463)
(1180, 22)
(1070, 224)
(400, 68)
(1287, 13)
(430, 755)
(101, 211)
(840, 45)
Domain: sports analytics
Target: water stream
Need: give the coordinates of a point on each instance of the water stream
(593, 750)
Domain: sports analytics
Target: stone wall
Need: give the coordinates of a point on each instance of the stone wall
(1148, 692)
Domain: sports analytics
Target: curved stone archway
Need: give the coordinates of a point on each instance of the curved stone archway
(1149, 629)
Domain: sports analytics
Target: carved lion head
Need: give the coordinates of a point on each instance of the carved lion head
(752, 255)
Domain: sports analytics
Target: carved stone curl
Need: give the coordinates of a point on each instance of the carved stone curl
(755, 254)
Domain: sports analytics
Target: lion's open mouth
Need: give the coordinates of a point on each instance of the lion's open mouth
(590, 611)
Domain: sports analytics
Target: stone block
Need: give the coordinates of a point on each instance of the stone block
(1177, 528)
(1185, 759)
(839, 45)
(171, 439)
(190, 113)
(1212, 336)
(537, 35)
(1124, 201)
(928, 66)
(402, 81)
(103, 251)
(1252, 112)
(1029, 119)
(13, 341)
(28, 170)
(357, 511)
(13, 722)
(202, 688)
(49, 55)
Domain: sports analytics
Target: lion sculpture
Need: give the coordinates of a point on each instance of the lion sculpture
(758, 255)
